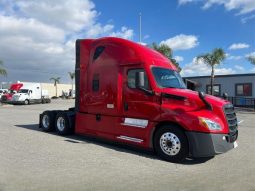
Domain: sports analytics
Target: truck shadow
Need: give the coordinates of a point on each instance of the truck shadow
(120, 147)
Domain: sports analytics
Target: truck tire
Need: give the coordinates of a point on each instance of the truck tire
(62, 124)
(171, 144)
(43, 101)
(47, 122)
(26, 102)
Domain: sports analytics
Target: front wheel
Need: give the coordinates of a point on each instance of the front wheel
(26, 102)
(171, 144)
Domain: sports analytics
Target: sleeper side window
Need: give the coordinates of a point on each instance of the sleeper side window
(131, 78)
(99, 50)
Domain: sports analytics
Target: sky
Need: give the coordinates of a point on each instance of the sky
(37, 38)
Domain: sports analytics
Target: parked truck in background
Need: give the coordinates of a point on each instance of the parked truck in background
(132, 94)
(31, 93)
(2, 92)
(14, 88)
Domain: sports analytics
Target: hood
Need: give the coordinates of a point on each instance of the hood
(192, 100)
(16, 87)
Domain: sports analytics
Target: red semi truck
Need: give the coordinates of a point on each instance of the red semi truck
(132, 94)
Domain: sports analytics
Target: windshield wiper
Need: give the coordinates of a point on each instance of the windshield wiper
(169, 87)
(174, 87)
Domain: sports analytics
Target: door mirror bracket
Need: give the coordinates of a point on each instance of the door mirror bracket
(140, 83)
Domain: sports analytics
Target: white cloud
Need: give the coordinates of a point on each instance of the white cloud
(250, 54)
(38, 37)
(124, 33)
(181, 42)
(239, 68)
(243, 6)
(238, 46)
(146, 36)
(182, 2)
(98, 29)
(201, 69)
(234, 57)
(179, 58)
(69, 15)
(246, 19)
(252, 70)
(12, 26)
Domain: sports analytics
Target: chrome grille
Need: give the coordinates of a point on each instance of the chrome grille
(232, 121)
(231, 117)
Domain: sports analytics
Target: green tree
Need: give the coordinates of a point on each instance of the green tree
(56, 81)
(72, 76)
(167, 52)
(251, 59)
(212, 59)
(3, 71)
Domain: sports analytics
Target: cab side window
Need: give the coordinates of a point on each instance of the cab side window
(131, 78)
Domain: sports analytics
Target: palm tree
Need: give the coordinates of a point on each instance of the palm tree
(71, 75)
(56, 81)
(167, 52)
(3, 72)
(251, 59)
(212, 59)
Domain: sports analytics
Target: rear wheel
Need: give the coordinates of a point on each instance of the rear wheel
(62, 123)
(171, 144)
(47, 122)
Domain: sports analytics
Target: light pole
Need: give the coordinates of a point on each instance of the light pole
(140, 26)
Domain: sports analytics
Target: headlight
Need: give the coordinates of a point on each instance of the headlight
(15, 98)
(211, 125)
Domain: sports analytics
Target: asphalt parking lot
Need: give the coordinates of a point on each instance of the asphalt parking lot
(33, 160)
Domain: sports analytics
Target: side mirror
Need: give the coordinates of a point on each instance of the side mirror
(140, 83)
(201, 95)
(139, 80)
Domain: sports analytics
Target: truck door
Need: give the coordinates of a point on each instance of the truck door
(139, 108)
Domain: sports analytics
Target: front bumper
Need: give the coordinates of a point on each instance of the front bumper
(205, 144)
(16, 102)
(6, 101)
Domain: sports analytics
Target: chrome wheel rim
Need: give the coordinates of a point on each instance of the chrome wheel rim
(61, 123)
(170, 144)
(46, 121)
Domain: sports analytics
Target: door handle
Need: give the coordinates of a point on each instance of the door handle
(98, 117)
(125, 106)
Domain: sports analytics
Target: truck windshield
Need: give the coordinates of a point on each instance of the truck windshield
(167, 78)
(25, 91)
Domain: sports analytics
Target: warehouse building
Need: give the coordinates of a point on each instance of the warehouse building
(239, 87)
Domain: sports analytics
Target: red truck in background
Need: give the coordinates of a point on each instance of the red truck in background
(132, 94)
(14, 88)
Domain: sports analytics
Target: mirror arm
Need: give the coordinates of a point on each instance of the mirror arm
(148, 92)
